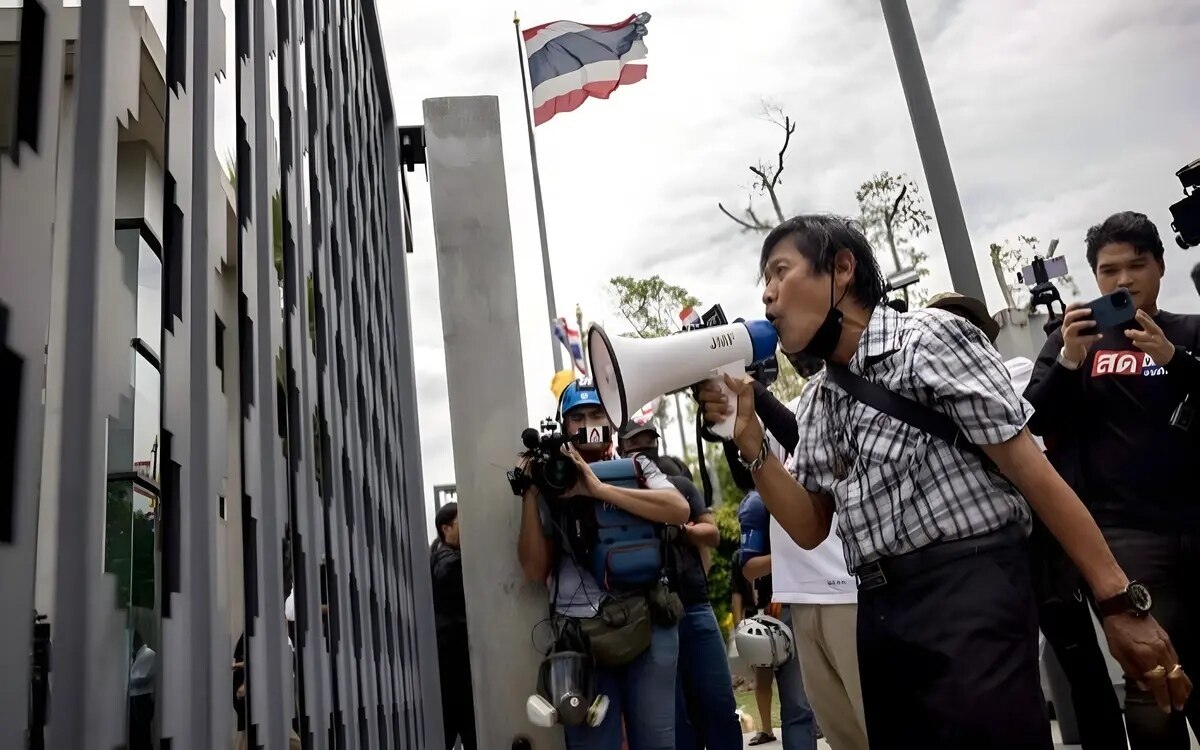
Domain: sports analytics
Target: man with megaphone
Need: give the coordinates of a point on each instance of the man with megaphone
(932, 484)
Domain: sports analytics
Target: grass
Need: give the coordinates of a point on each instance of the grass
(745, 701)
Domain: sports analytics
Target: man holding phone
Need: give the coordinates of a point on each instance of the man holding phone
(1114, 387)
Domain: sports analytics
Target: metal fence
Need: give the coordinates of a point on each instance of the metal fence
(209, 447)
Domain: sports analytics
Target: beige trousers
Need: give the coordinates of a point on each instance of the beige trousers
(827, 644)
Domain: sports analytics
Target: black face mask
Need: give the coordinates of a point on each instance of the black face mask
(826, 338)
(805, 365)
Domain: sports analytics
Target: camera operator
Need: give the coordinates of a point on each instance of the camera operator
(706, 713)
(1110, 398)
(818, 594)
(553, 548)
(1064, 612)
(935, 537)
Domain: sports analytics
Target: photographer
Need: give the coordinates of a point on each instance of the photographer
(706, 713)
(935, 536)
(555, 544)
(1108, 400)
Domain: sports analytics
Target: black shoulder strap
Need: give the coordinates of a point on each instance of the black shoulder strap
(906, 410)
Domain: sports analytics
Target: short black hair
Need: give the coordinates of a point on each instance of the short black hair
(444, 517)
(1196, 277)
(819, 237)
(1126, 226)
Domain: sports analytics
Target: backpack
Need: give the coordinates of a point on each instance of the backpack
(627, 551)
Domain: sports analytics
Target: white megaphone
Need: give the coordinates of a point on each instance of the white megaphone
(629, 372)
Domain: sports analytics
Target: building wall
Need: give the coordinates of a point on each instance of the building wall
(172, 478)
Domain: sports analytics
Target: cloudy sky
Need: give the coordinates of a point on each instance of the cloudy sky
(1056, 113)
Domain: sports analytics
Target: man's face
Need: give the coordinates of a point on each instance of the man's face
(796, 296)
(642, 441)
(1119, 264)
(591, 418)
(450, 531)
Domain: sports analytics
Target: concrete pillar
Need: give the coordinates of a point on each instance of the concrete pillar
(488, 409)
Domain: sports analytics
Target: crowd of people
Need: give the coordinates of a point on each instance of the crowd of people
(910, 523)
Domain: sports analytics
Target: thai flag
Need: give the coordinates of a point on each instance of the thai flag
(646, 413)
(568, 336)
(569, 62)
(689, 317)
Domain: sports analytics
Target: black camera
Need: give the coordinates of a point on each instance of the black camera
(1185, 215)
(549, 469)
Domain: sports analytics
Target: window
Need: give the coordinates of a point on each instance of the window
(220, 353)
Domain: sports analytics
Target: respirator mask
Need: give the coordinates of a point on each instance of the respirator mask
(566, 691)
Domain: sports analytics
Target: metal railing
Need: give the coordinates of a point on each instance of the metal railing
(210, 407)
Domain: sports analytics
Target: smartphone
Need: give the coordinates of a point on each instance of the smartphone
(1113, 310)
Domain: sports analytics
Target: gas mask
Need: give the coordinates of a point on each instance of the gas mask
(565, 692)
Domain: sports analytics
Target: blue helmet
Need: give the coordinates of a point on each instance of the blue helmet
(575, 395)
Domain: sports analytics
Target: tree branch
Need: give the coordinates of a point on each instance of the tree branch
(896, 205)
(736, 220)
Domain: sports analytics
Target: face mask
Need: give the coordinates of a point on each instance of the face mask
(826, 338)
(805, 365)
(593, 433)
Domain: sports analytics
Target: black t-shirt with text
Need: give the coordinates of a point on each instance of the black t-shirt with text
(1112, 418)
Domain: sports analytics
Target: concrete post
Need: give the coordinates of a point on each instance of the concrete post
(956, 241)
(488, 409)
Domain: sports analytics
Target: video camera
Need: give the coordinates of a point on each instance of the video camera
(765, 372)
(1037, 276)
(548, 469)
(1185, 215)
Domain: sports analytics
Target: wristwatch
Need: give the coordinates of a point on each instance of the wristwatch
(1134, 600)
(1066, 361)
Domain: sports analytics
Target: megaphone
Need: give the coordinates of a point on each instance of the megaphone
(629, 372)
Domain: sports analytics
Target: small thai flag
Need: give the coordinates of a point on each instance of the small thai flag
(689, 317)
(568, 336)
(646, 413)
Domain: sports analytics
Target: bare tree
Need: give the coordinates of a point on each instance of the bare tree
(767, 177)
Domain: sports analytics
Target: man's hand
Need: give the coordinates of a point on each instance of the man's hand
(716, 406)
(1079, 332)
(1151, 339)
(588, 485)
(241, 692)
(1145, 653)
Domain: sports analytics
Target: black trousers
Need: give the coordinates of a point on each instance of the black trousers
(458, 705)
(948, 655)
(1169, 565)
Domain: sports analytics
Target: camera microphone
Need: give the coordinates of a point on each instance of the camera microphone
(530, 437)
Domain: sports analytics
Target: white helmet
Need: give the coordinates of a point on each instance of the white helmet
(764, 641)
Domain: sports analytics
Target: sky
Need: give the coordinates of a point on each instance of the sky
(1056, 113)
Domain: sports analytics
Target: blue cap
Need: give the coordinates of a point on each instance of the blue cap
(763, 338)
(576, 395)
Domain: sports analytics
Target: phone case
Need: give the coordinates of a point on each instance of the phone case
(1113, 310)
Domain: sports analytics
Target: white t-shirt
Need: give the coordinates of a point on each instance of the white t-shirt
(1020, 371)
(800, 576)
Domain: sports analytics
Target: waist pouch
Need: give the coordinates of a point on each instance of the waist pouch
(620, 632)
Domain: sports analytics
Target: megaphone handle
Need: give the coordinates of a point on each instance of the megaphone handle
(724, 428)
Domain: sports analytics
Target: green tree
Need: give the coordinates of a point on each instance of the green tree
(1009, 257)
(893, 215)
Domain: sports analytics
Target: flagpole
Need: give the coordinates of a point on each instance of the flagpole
(551, 308)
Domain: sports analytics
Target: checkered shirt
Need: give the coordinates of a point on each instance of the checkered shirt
(896, 488)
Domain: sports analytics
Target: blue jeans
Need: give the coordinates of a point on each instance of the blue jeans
(643, 692)
(705, 685)
(796, 715)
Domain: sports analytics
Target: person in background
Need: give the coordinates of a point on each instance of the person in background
(141, 694)
(1064, 611)
(748, 596)
(705, 711)
(1118, 400)
(450, 615)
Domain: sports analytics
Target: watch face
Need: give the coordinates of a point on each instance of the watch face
(1139, 597)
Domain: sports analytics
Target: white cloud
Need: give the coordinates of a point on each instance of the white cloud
(1055, 113)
